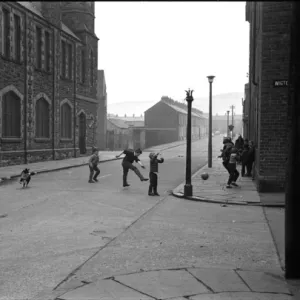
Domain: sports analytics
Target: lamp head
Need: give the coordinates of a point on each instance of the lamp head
(210, 78)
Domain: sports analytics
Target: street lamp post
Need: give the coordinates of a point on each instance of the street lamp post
(188, 188)
(210, 80)
(228, 112)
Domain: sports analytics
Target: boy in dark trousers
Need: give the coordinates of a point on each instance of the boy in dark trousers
(127, 163)
(154, 161)
(244, 158)
(234, 173)
(93, 165)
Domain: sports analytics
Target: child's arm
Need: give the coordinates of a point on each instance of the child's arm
(117, 156)
(160, 160)
(141, 164)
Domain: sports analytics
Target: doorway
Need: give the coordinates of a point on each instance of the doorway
(82, 133)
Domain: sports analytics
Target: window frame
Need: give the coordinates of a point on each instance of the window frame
(43, 121)
(17, 38)
(38, 45)
(63, 59)
(91, 68)
(14, 119)
(83, 66)
(47, 51)
(63, 134)
(70, 62)
(6, 32)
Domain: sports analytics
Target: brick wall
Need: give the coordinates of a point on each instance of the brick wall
(268, 108)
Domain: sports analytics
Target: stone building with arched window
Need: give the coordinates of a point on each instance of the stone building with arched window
(48, 86)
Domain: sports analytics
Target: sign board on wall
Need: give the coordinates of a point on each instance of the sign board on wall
(280, 83)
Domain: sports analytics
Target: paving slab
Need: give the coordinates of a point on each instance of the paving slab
(104, 290)
(220, 280)
(242, 296)
(164, 284)
(264, 282)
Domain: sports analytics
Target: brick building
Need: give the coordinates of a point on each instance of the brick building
(166, 122)
(48, 75)
(102, 111)
(266, 102)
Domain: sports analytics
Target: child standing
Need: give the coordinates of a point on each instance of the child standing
(93, 165)
(244, 158)
(154, 161)
(234, 173)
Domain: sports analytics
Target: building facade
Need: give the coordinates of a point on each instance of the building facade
(166, 122)
(48, 71)
(266, 101)
(102, 111)
(118, 134)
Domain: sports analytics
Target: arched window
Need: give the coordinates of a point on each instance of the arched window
(92, 68)
(66, 121)
(11, 115)
(42, 112)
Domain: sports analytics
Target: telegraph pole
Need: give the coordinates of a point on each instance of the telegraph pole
(232, 108)
(292, 194)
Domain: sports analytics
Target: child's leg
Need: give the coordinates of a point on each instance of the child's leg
(97, 172)
(150, 190)
(155, 185)
(243, 169)
(91, 174)
(125, 173)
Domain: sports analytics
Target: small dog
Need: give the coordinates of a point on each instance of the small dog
(26, 177)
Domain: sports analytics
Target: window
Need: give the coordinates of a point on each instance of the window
(47, 51)
(82, 66)
(70, 60)
(66, 121)
(6, 33)
(92, 69)
(11, 115)
(42, 119)
(63, 59)
(17, 37)
(38, 47)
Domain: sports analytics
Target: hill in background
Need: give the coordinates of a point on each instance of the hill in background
(221, 103)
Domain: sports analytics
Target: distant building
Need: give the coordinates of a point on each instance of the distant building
(101, 111)
(48, 71)
(117, 135)
(219, 123)
(132, 127)
(166, 122)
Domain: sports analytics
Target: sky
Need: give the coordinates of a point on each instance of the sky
(153, 49)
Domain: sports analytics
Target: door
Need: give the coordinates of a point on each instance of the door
(82, 133)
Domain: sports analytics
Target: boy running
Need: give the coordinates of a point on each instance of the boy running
(93, 165)
(127, 163)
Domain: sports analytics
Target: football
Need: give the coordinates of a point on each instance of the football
(204, 176)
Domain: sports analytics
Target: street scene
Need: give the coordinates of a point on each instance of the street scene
(149, 150)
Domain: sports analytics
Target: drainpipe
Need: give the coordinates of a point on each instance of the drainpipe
(25, 91)
(53, 93)
(74, 110)
(254, 44)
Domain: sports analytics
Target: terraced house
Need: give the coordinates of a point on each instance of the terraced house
(48, 80)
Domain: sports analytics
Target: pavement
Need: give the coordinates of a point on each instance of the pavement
(222, 245)
(214, 188)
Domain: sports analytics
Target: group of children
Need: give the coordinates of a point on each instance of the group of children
(241, 152)
(131, 156)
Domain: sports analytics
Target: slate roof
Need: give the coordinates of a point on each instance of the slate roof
(183, 111)
(118, 123)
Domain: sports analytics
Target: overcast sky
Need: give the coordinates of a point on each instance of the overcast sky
(151, 49)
